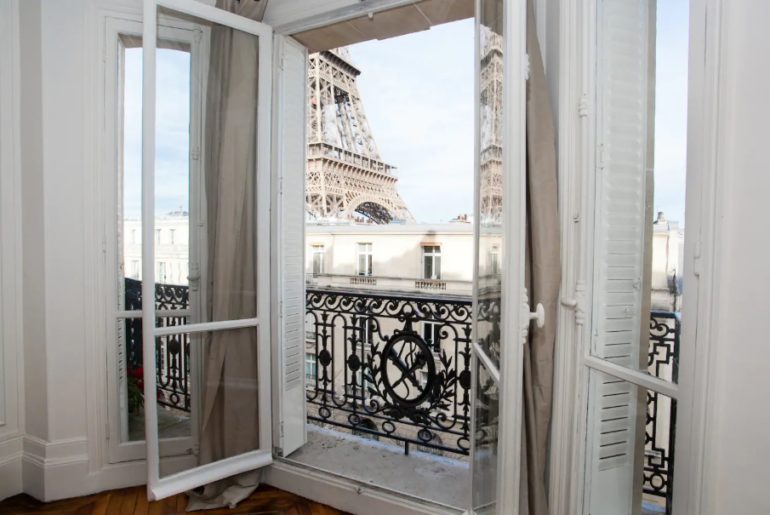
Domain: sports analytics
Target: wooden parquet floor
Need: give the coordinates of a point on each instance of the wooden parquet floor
(128, 501)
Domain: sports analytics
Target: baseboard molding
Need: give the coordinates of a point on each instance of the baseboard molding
(59, 470)
(11, 452)
(344, 494)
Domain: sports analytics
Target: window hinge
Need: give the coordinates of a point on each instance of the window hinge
(107, 430)
(196, 153)
(697, 262)
(583, 106)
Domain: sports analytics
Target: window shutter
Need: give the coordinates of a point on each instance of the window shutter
(615, 427)
(289, 265)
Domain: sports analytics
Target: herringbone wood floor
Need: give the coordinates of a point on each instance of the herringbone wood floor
(266, 500)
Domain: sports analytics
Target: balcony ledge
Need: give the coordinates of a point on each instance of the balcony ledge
(438, 479)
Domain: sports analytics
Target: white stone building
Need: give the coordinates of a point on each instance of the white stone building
(411, 257)
(172, 248)
(667, 262)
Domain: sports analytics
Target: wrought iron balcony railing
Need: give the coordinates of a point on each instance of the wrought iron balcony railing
(662, 362)
(394, 366)
(172, 353)
(397, 366)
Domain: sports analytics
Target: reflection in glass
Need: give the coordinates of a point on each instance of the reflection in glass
(172, 235)
(630, 451)
(213, 374)
(485, 441)
(489, 255)
(490, 177)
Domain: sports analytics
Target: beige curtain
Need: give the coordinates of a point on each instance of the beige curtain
(543, 276)
(229, 421)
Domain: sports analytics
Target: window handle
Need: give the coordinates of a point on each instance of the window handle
(538, 315)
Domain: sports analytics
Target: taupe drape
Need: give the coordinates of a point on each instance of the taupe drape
(229, 421)
(543, 276)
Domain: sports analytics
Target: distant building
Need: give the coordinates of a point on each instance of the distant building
(434, 258)
(172, 248)
(667, 260)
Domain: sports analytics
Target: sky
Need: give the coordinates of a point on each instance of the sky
(172, 147)
(417, 92)
(671, 108)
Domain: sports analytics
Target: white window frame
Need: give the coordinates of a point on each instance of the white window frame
(434, 329)
(175, 483)
(313, 363)
(356, 496)
(365, 250)
(429, 256)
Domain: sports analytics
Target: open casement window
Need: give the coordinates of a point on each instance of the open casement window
(619, 387)
(230, 204)
(500, 320)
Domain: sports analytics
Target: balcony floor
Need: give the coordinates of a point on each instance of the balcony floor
(439, 479)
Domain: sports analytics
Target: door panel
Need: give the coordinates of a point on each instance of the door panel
(226, 193)
(499, 255)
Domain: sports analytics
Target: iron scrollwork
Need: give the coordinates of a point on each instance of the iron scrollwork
(663, 362)
(172, 353)
(378, 375)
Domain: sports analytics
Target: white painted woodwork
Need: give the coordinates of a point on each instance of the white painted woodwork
(289, 255)
(621, 148)
(160, 487)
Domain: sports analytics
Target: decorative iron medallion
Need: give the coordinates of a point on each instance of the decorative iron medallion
(408, 371)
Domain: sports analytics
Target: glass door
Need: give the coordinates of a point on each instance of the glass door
(220, 205)
(500, 321)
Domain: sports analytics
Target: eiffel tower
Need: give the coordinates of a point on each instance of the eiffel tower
(491, 128)
(346, 178)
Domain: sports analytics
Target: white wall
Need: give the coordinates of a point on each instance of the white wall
(64, 346)
(11, 376)
(738, 451)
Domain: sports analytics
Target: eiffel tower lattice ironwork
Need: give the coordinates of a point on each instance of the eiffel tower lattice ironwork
(491, 114)
(346, 177)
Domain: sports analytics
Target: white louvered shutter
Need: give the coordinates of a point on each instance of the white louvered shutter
(289, 266)
(622, 133)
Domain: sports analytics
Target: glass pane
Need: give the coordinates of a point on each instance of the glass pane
(173, 71)
(173, 376)
(642, 56)
(490, 175)
(216, 375)
(487, 411)
(629, 459)
(205, 169)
